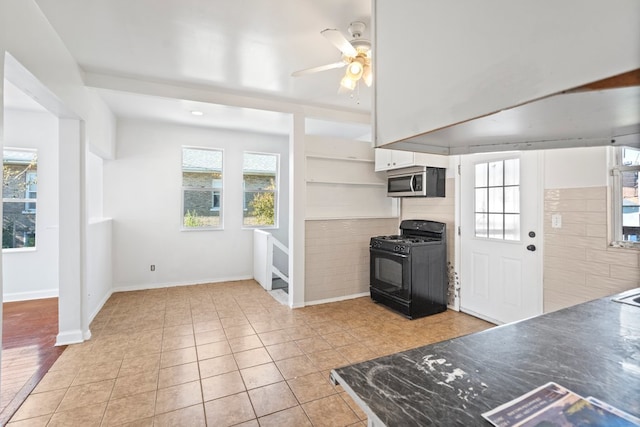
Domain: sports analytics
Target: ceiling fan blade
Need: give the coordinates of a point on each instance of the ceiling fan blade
(318, 69)
(339, 41)
(367, 75)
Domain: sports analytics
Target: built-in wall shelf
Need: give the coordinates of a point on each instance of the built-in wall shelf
(374, 184)
(341, 159)
(341, 181)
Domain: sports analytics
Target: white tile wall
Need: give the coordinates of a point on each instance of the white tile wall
(337, 256)
(579, 265)
(440, 209)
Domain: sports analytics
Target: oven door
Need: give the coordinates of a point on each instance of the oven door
(391, 274)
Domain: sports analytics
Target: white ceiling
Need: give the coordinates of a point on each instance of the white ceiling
(246, 47)
(564, 120)
(249, 48)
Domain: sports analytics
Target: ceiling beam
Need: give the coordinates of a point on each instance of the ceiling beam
(631, 78)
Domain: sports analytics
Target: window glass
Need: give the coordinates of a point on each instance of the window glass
(19, 198)
(260, 183)
(626, 203)
(202, 188)
(497, 200)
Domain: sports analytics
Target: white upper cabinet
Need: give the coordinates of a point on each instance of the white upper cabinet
(441, 63)
(396, 159)
(393, 159)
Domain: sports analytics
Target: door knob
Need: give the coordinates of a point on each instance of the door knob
(531, 248)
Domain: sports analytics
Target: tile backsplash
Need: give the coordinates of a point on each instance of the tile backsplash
(579, 264)
(337, 256)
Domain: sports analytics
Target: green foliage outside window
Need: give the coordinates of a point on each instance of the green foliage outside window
(263, 207)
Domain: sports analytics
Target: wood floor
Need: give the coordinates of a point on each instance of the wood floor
(29, 330)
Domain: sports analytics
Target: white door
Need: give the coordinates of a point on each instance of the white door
(500, 236)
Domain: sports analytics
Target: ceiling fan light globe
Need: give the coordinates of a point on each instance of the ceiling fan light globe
(355, 70)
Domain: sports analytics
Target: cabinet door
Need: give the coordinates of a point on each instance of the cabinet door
(393, 159)
(401, 159)
(383, 159)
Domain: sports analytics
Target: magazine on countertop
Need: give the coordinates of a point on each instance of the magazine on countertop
(553, 405)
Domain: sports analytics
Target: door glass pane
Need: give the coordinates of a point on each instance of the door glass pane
(481, 225)
(497, 193)
(495, 173)
(481, 175)
(496, 226)
(512, 172)
(481, 200)
(512, 199)
(496, 202)
(512, 227)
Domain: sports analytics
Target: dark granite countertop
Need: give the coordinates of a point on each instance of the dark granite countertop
(592, 349)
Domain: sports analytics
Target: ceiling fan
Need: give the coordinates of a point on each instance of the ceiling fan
(356, 56)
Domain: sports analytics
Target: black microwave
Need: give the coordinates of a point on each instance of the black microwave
(420, 181)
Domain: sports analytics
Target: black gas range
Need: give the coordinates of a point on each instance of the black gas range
(409, 270)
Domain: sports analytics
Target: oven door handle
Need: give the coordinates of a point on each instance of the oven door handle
(383, 252)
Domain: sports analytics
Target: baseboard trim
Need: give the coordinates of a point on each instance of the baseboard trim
(143, 287)
(26, 296)
(70, 337)
(99, 307)
(336, 299)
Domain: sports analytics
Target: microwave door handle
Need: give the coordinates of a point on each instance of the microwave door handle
(411, 186)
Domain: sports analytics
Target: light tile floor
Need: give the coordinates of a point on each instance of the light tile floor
(222, 355)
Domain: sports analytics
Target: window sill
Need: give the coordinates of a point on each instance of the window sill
(18, 250)
(202, 229)
(624, 245)
(259, 227)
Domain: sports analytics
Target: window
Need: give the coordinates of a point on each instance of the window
(19, 198)
(217, 193)
(31, 192)
(260, 183)
(497, 200)
(201, 188)
(626, 206)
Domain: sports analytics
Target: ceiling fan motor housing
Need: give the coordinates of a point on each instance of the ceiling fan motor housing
(356, 29)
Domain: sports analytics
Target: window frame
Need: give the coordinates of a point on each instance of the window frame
(275, 191)
(212, 190)
(616, 199)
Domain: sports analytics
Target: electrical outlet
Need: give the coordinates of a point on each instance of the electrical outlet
(556, 221)
(153, 267)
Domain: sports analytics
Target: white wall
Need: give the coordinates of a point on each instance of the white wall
(99, 274)
(575, 167)
(29, 38)
(143, 196)
(33, 273)
(439, 63)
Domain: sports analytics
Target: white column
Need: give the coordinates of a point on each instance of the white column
(71, 237)
(297, 205)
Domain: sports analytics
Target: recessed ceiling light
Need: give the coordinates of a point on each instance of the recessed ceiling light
(197, 113)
